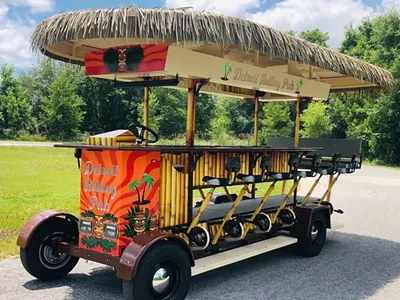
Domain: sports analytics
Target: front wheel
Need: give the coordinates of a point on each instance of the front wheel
(163, 274)
(39, 257)
(312, 244)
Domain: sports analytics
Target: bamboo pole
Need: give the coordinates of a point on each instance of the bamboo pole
(183, 196)
(186, 201)
(256, 112)
(297, 129)
(178, 192)
(191, 112)
(162, 198)
(168, 192)
(173, 191)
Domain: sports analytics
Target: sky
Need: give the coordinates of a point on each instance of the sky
(18, 18)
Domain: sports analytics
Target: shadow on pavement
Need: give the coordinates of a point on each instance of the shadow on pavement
(349, 267)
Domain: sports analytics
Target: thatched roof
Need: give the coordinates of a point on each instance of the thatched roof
(188, 27)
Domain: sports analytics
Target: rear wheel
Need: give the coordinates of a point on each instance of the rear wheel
(41, 259)
(163, 274)
(312, 244)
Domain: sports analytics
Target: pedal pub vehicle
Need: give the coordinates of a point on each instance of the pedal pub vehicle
(137, 208)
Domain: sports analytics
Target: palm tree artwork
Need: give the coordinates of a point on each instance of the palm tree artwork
(299, 85)
(227, 69)
(135, 186)
(148, 182)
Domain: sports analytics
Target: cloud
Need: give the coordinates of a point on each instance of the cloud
(328, 15)
(387, 4)
(36, 6)
(229, 7)
(15, 34)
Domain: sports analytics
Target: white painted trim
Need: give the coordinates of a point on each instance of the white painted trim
(228, 257)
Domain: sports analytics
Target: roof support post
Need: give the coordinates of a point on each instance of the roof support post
(191, 113)
(297, 128)
(146, 111)
(256, 110)
(256, 113)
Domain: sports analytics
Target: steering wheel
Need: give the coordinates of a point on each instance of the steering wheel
(140, 135)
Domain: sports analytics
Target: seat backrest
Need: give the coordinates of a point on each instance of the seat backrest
(346, 147)
(266, 162)
(233, 165)
(294, 160)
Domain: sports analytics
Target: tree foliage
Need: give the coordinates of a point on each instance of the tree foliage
(277, 121)
(315, 121)
(315, 36)
(376, 40)
(62, 111)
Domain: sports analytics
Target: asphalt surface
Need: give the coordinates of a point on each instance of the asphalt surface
(361, 261)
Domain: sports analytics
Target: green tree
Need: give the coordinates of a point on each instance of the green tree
(376, 40)
(62, 111)
(108, 108)
(167, 111)
(14, 107)
(205, 112)
(315, 36)
(315, 121)
(277, 121)
(233, 116)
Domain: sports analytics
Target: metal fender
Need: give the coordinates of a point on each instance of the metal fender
(304, 215)
(136, 250)
(29, 228)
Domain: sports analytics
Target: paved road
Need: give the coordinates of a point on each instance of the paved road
(362, 261)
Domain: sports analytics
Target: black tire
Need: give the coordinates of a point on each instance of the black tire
(38, 259)
(176, 262)
(312, 244)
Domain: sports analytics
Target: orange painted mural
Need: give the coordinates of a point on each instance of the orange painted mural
(126, 59)
(119, 198)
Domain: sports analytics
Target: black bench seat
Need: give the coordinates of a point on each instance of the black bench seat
(218, 211)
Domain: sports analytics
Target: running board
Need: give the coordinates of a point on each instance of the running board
(228, 257)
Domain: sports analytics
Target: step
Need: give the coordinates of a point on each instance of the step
(228, 257)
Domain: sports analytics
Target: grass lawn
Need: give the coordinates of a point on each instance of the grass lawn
(33, 179)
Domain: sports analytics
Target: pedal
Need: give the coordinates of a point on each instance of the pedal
(199, 238)
(339, 211)
(289, 221)
(263, 222)
(234, 230)
(287, 217)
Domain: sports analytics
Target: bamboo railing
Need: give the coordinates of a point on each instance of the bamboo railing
(174, 189)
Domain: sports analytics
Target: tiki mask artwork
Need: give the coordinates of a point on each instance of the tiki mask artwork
(98, 227)
(153, 223)
(139, 222)
(122, 60)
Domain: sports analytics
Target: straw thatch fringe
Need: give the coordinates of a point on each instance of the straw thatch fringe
(196, 27)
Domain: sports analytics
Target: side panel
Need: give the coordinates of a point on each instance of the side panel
(119, 196)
